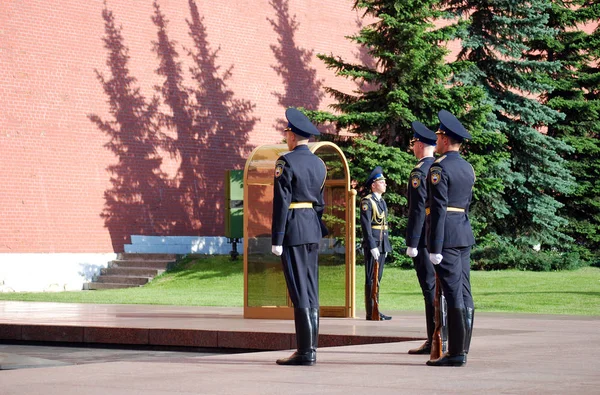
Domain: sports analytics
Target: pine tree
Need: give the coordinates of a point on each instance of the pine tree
(576, 94)
(496, 39)
(409, 79)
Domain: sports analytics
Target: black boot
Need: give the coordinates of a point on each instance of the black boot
(382, 317)
(444, 318)
(314, 320)
(469, 316)
(456, 340)
(430, 323)
(305, 354)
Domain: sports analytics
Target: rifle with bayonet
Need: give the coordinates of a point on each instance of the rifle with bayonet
(439, 340)
(375, 289)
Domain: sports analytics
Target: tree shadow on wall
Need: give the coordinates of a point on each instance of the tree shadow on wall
(133, 205)
(302, 88)
(205, 129)
(179, 135)
(223, 122)
(210, 125)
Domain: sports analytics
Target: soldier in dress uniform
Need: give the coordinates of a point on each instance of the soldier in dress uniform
(450, 237)
(423, 146)
(297, 230)
(376, 244)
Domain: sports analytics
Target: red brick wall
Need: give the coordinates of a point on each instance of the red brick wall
(54, 167)
(55, 171)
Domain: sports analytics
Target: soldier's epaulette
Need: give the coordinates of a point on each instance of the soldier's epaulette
(419, 165)
(441, 158)
(416, 172)
(365, 202)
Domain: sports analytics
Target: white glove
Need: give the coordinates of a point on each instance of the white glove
(277, 250)
(375, 253)
(412, 252)
(435, 258)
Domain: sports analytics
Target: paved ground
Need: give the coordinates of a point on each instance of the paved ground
(510, 354)
(41, 355)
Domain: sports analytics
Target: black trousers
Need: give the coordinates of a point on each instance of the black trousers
(455, 276)
(426, 275)
(301, 271)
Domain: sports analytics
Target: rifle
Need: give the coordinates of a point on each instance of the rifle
(439, 340)
(375, 291)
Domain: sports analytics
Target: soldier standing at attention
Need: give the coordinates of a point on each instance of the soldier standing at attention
(450, 237)
(376, 244)
(423, 145)
(297, 230)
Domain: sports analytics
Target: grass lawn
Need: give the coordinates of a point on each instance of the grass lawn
(217, 281)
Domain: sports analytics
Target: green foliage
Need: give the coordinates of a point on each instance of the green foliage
(501, 256)
(404, 77)
(495, 41)
(576, 94)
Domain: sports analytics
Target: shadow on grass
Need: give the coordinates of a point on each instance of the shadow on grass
(199, 268)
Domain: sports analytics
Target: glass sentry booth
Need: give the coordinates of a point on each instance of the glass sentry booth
(265, 292)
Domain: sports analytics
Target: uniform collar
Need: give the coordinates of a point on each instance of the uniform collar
(377, 196)
(451, 153)
(300, 147)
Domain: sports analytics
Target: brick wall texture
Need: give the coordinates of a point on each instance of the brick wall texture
(76, 177)
(105, 134)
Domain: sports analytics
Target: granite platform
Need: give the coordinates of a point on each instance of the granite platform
(510, 354)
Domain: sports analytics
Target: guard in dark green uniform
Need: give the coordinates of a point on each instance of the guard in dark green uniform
(297, 230)
(450, 237)
(423, 146)
(376, 244)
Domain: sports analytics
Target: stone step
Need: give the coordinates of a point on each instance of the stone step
(148, 257)
(154, 264)
(131, 271)
(123, 280)
(98, 286)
